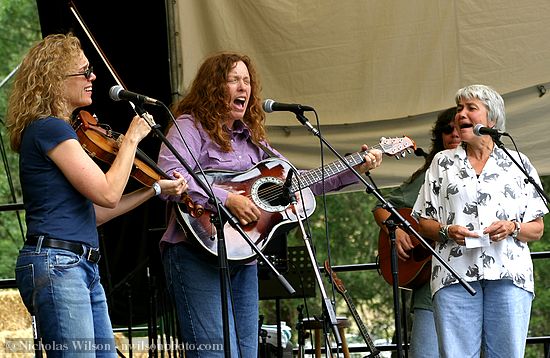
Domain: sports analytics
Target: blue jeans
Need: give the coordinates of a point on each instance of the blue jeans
(63, 291)
(498, 315)
(195, 285)
(423, 335)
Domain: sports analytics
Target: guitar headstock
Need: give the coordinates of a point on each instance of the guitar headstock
(398, 146)
(335, 280)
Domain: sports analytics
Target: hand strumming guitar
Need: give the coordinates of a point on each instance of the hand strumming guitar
(403, 242)
(243, 208)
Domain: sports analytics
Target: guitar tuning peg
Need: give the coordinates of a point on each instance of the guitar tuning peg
(397, 157)
(403, 154)
(409, 150)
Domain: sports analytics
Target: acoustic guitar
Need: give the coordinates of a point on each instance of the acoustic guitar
(266, 184)
(344, 292)
(413, 272)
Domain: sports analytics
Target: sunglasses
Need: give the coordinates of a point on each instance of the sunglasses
(87, 74)
(448, 129)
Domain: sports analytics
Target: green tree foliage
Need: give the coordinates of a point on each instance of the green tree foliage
(353, 239)
(351, 230)
(20, 29)
(540, 312)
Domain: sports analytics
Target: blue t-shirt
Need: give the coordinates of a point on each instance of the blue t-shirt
(53, 206)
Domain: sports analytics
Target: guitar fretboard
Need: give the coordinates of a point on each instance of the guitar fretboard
(360, 324)
(316, 175)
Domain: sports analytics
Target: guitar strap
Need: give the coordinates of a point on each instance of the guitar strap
(267, 151)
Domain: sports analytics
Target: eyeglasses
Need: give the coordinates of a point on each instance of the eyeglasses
(448, 129)
(87, 74)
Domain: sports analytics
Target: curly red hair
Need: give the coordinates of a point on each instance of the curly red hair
(208, 100)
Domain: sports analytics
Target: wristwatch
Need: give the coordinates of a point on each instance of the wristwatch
(516, 231)
(156, 188)
(444, 232)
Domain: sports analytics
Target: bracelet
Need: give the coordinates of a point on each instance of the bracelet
(156, 188)
(517, 229)
(444, 232)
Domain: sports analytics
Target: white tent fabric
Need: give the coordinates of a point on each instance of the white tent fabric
(374, 68)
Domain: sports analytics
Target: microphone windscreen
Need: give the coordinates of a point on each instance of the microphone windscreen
(268, 105)
(114, 92)
(477, 129)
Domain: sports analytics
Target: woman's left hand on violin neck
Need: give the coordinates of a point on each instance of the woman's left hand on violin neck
(174, 187)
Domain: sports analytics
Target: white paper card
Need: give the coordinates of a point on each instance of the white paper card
(481, 241)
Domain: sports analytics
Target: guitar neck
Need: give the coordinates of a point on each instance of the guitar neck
(360, 324)
(344, 292)
(316, 175)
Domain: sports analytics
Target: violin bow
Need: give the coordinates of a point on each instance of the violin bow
(76, 14)
(137, 109)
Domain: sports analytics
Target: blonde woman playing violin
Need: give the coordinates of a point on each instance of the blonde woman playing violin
(66, 195)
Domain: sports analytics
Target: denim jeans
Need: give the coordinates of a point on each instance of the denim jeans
(498, 315)
(195, 285)
(423, 335)
(64, 292)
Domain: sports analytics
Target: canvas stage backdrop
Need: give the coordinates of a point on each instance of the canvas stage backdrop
(370, 68)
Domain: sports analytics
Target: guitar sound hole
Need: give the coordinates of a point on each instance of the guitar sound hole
(272, 194)
(267, 194)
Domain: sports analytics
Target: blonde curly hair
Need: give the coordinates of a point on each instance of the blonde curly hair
(38, 90)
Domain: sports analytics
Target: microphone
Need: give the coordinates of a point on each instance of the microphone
(480, 130)
(118, 93)
(286, 196)
(270, 105)
(288, 181)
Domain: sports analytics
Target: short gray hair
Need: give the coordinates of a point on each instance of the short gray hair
(490, 98)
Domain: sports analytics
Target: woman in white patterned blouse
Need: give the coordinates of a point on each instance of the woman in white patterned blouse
(480, 211)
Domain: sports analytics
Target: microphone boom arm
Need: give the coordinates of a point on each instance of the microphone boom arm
(386, 205)
(398, 220)
(529, 179)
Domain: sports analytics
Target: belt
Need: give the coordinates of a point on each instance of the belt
(91, 254)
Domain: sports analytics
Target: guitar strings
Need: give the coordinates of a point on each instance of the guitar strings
(275, 191)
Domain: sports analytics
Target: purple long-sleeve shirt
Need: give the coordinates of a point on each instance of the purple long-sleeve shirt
(245, 155)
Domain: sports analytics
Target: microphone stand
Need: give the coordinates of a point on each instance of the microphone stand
(394, 216)
(498, 142)
(391, 224)
(223, 215)
(328, 309)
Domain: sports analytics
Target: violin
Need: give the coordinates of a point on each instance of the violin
(101, 142)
